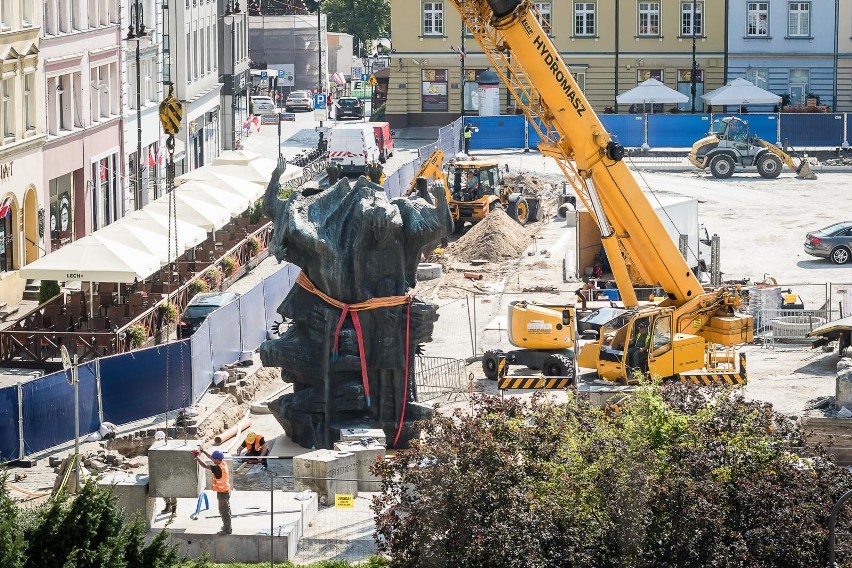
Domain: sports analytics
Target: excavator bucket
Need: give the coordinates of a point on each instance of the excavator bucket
(804, 171)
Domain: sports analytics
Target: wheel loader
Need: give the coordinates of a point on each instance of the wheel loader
(545, 335)
(734, 147)
(474, 189)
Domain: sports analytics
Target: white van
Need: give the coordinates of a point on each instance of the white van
(353, 147)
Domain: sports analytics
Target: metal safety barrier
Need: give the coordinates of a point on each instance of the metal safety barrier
(437, 377)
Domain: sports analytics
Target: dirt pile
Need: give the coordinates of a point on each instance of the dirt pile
(528, 183)
(497, 237)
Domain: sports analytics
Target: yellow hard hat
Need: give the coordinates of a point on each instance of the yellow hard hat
(250, 437)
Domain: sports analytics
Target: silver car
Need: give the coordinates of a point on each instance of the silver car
(833, 242)
(299, 100)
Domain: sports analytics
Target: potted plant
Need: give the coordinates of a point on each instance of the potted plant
(137, 335)
(230, 264)
(213, 276)
(198, 286)
(47, 290)
(168, 313)
(254, 245)
(812, 100)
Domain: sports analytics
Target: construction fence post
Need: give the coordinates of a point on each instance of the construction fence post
(21, 450)
(98, 387)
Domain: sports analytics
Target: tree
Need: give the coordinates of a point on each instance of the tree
(676, 477)
(364, 19)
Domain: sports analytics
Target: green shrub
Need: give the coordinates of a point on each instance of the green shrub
(230, 264)
(168, 312)
(378, 114)
(254, 245)
(48, 289)
(213, 277)
(137, 335)
(256, 213)
(198, 286)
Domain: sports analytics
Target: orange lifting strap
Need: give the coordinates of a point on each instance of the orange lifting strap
(372, 304)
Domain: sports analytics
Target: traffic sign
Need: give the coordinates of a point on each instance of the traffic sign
(372, 81)
(264, 75)
(319, 101)
(356, 70)
(364, 76)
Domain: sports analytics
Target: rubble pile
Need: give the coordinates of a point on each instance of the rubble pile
(528, 184)
(497, 237)
(100, 461)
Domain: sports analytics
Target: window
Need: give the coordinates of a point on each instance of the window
(105, 198)
(649, 18)
(29, 102)
(5, 13)
(584, 18)
(799, 19)
(800, 80)
(61, 221)
(27, 12)
(50, 15)
(433, 18)
(692, 23)
(64, 14)
(759, 77)
(544, 10)
(434, 90)
(757, 19)
(8, 108)
(7, 240)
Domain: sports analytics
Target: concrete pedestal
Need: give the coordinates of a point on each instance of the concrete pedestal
(358, 434)
(131, 490)
(327, 472)
(843, 390)
(173, 471)
(366, 454)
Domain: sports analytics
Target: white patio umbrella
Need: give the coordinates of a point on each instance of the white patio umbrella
(239, 157)
(650, 91)
(146, 222)
(205, 214)
(93, 260)
(245, 188)
(155, 243)
(230, 199)
(257, 171)
(740, 92)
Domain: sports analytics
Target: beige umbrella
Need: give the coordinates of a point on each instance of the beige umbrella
(205, 214)
(227, 197)
(238, 157)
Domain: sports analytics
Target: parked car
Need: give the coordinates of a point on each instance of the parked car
(833, 242)
(263, 105)
(348, 107)
(299, 100)
(353, 147)
(201, 306)
(384, 138)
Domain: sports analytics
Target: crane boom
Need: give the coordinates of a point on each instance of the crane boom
(635, 240)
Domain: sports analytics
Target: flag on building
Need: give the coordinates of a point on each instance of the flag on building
(6, 207)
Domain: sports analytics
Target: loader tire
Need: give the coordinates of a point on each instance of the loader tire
(518, 209)
(490, 363)
(722, 166)
(558, 366)
(769, 166)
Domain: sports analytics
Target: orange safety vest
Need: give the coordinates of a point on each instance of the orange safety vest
(222, 484)
(258, 443)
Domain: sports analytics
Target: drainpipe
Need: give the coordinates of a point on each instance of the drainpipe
(836, 46)
(615, 91)
(727, 13)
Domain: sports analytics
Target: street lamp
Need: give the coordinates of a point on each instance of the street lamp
(321, 145)
(229, 17)
(136, 32)
(694, 62)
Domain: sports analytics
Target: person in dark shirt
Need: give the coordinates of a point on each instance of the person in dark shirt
(221, 484)
(254, 445)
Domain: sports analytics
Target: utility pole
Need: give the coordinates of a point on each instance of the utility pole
(694, 72)
(135, 32)
(320, 80)
(462, 55)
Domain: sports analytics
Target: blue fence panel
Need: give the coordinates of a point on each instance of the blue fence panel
(276, 288)
(764, 125)
(225, 339)
(812, 130)
(134, 385)
(627, 129)
(253, 317)
(497, 132)
(9, 446)
(48, 404)
(676, 130)
(202, 360)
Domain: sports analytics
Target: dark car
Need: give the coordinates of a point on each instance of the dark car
(348, 107)
(201, 306)
(833, 242)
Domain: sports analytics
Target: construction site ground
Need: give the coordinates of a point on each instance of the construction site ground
(762, 225)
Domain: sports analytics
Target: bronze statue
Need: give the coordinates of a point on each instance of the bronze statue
(354, 327)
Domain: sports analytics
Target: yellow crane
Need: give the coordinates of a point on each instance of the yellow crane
(693, 333)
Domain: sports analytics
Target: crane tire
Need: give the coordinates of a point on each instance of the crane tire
(490, 363)
(558, 365)
(518, 209)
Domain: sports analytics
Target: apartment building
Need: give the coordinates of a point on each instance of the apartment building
(191, 63)
(82, 181)
(609, 45)
(23, 133)
(287, 51)
(142, 90)
(234, 72)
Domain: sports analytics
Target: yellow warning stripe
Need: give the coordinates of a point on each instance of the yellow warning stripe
(715, 378)
(534, 382)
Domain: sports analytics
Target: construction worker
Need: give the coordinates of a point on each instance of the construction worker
(254, 445)
(221, 484)
(171, 502)
(468, 133)
(637, 352)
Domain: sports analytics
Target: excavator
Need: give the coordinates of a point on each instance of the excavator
(733, 146)
(693, 333)
(477, 189)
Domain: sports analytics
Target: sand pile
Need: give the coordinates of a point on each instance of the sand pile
(497, 237)
(527, 183)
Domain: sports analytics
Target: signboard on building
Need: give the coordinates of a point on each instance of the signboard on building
(282, 73)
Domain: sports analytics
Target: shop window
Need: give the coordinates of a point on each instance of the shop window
(7, 236)
(434, 90)
(61, 222)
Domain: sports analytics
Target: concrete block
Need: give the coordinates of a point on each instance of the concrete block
(173, 471)
(358, 434)
(132, 493)
(843, 391)
(327, 472)
(366, 454)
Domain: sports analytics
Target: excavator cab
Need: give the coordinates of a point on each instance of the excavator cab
(476, 187)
